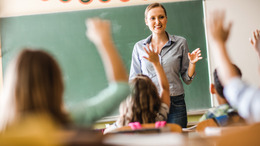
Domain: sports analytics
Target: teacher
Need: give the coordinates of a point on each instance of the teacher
(174, 57)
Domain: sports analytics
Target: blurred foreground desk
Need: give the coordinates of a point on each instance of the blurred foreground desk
(214, 136)
(157, 139)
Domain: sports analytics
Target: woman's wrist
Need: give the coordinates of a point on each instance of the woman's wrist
(192, 63)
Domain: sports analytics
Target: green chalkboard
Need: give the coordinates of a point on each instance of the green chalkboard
(63, 35)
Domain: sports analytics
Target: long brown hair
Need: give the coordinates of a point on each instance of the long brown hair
(37, 85)
(146, 100)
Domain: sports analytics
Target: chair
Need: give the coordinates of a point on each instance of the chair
(174, 127)
(206, 123)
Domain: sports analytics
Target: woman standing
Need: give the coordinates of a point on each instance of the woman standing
(174, 57)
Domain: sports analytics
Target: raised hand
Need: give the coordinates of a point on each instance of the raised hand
(98, 30)
(195, 56)
(153, 57)
(153, 54)
(255, 41)
(218, 31)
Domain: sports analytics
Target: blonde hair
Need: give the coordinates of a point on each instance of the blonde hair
(151, 6)
(33, 84)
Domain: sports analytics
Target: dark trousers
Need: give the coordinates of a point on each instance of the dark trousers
(178, 112)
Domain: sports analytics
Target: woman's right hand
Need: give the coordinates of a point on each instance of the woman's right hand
(153, 54)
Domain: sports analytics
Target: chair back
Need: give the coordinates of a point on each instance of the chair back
(206, 123)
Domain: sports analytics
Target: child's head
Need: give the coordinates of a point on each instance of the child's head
(217, 84)
(34, 84)
(145, 98)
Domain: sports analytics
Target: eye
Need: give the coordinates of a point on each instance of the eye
(161, 17)
(152, 18)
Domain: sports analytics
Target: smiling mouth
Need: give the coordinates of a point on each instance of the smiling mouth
(157, 27)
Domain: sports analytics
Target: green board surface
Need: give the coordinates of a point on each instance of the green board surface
(63, 35)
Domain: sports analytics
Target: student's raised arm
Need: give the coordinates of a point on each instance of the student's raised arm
(153, 57)
(220, 34)
(87, 111)
(240, 95)
(99, 33)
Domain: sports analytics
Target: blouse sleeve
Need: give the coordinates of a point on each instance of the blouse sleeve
(88, 111)
(135, 64)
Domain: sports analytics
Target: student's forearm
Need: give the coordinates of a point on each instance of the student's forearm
(164, 84)
(113, 64)
(163, 81)
(226, 69)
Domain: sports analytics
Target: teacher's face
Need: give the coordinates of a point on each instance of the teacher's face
(156, 20)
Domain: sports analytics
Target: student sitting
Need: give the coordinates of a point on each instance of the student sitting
(145, 105)
(33, 84)
(224, 108)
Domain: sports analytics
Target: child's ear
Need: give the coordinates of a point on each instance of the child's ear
(212, 89)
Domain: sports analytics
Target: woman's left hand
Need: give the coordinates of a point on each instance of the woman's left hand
(195, 56)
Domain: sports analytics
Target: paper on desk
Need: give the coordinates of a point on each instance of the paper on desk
(212, 131)
(192, 128)
(172, 139)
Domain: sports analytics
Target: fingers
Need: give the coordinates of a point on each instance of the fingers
(219, 31)
(228, 28)
(255, 38)
(149, 49)
(251, 41)
(195, 55)
(256, 34)
(98, 29)
(145, 57)
(196, 51)
(189, 55)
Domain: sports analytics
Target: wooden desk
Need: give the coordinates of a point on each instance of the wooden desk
(235, 135)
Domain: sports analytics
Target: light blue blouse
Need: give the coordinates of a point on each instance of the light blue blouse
(173, 58)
